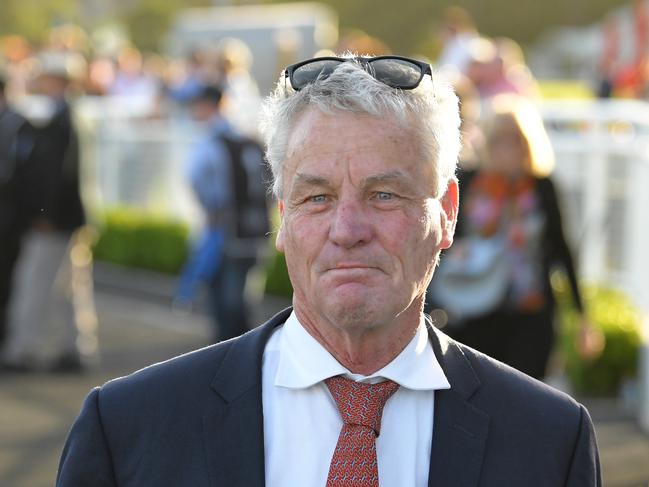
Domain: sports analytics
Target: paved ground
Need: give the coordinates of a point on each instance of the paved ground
(37, 410)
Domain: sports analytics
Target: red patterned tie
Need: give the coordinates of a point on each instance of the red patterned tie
(354, 462)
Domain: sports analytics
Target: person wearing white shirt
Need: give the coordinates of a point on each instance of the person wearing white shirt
(296, 400)
(352, 385)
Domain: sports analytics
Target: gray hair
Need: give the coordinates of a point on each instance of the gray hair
(431, 110)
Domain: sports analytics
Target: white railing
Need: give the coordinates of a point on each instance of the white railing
(602, 170)
(602, 150)
(137, 161)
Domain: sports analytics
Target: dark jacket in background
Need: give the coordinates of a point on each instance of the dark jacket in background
(57, 197)
(522, 339)
(17, 140)
(16, 163)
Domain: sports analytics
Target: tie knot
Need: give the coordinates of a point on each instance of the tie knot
(360, 403)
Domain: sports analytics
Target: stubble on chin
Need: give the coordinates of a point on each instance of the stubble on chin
(353, 317)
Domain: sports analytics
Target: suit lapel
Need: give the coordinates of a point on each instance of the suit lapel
(460, 429)
(234, 430)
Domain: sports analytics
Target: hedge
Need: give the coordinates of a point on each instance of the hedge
(140, 239)
(620, 322)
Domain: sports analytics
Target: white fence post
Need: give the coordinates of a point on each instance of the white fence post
(638, 260)
(603, 165)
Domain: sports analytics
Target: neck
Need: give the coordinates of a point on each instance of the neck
(367, 349)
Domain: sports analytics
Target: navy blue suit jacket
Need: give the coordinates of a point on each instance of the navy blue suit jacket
(197, 420)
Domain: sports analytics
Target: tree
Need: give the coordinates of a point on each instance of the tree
(32, 18)
(409, 27)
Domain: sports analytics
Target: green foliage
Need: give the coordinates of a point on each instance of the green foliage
(413, 29)
(149, 20)
(617, 318)
(406, 30)
(32, 18)
(277, 280)
(134, 238)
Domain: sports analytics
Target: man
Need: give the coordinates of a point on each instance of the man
(363, 153)
(16, 149)
(45, 332)
(226, 173)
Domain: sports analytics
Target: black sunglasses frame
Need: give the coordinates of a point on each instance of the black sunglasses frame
(366, 63)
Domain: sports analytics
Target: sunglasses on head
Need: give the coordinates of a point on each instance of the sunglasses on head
(394, 71)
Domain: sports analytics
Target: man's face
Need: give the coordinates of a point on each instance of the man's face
(361, 228)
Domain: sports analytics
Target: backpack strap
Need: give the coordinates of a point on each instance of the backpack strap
(250, 224)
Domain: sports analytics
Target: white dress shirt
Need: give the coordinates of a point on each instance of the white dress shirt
(302, 422)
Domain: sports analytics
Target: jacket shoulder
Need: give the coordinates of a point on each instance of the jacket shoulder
(192, 374)
(525, 411)
(194, 366)
(533, 425)
(149, 395)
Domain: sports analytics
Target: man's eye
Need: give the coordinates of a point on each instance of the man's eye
(383, 196)
(319, 198)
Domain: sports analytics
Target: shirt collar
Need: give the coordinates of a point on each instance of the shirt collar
(304, 362)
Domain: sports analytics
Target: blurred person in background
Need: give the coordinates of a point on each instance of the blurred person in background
(130, 78)
(515, 67)
(226, 173)
(101, 75)
(470, 111)
(16, 157)
(134, 91)
(188, 77)
(17, 52)
(157, 68)
(227, 64)
(456, 34)
(494, 282)
(45, 332)
(497, 67)
(608, 63)
(233, 60)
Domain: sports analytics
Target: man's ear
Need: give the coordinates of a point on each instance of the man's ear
(279, 239)
(450, 203)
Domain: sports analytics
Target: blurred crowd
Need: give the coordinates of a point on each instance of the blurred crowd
(480, 68)
(154, 84)
(47, 316)
(492, 289)
(625, 74)
(509, 239)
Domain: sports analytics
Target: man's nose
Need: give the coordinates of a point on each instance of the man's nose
(350, 225)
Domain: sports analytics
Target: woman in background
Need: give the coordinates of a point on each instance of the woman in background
(510, 199)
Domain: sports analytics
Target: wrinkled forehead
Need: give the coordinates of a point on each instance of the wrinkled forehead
(358, 145)
(317, 131)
